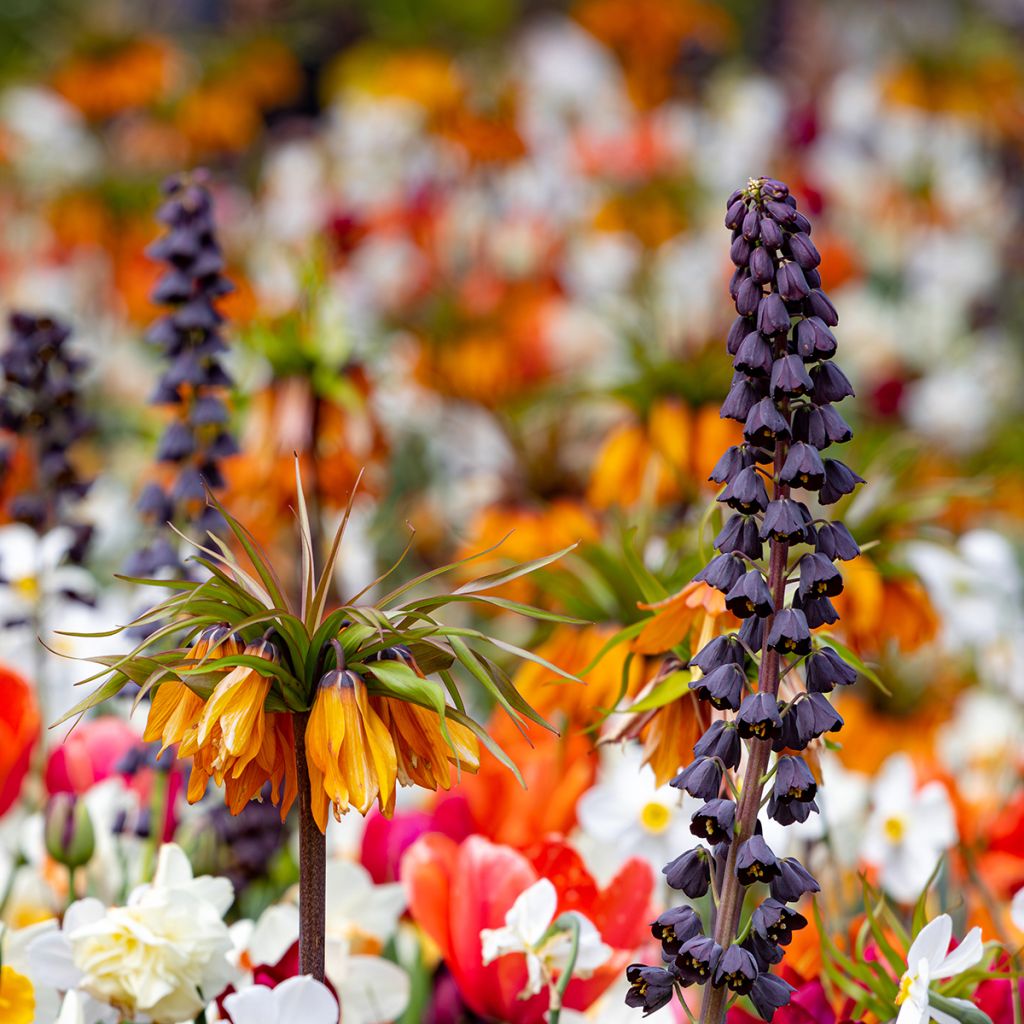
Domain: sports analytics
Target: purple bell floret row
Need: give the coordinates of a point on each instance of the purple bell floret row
(194, 382)
(776, 567)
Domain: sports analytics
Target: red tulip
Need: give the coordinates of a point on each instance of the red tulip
(455, 890)
(19, 730)
(89, 755)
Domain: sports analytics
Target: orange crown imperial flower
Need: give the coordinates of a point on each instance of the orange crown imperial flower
(259, 716)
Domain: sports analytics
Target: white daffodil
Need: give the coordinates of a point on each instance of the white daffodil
(526, 931)
(908, 830)
(163, 955)
(297, 999)
(626, 814)
(263, 942)
(929, 960)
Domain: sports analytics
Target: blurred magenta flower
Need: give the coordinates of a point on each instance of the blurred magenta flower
(386, 840)
(90, 754)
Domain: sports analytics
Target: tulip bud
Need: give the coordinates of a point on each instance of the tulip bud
(68, 830)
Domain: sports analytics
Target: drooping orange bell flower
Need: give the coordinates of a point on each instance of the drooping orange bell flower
(351, 754)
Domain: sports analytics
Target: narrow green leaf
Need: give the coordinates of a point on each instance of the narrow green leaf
(440, 570)
(496, 579)
(650, 586)
(324, 584)
(671, 688)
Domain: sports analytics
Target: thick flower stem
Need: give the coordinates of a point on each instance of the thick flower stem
(714, 1007)
(312, 866)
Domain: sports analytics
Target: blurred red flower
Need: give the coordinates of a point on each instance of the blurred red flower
(455, 890)
(89, 755)
(19, 730)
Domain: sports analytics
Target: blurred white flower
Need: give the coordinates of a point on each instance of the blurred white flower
(978, 590)
(928, 960)
(50, 142)
(626, 814)
(980, 742)
(34, 579)
(163, 955)
(359, 913)
(527, 924)
(909, 829)
(297, 999)
(1017, 910)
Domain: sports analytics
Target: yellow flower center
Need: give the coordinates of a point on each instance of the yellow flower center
(27, 587)
(655, 817)
(904, 993)
(17, 997)
(895, 829)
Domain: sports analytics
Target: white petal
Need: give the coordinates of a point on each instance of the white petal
(965, 956)
(173, 868)
(72, 1011)
(375, 991)
(933, 816)
(1017, 910)
(275, 933)
(51, 963)
(894, 786)
(254, 1005)
(533, 911)
(534, 974)
(931, 943)
(912, 1013)
(83, 912)
(305, 999)
(601, 815)
(495, 942)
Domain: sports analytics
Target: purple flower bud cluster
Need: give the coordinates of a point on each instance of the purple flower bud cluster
(190, 338)
(776, 569)
(41, 405)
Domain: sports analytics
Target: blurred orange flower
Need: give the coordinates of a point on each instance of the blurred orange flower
(648, 36)
(661, 460)
(573, 649)
(875, 609)
(19, 731)
(529, 533)
(117, 76)
(506, 812)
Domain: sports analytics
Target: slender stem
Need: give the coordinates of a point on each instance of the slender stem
(312, 866)
(715, 1004)
(570, 923)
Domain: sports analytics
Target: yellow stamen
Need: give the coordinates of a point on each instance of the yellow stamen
(895, 829)
(655, 817)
